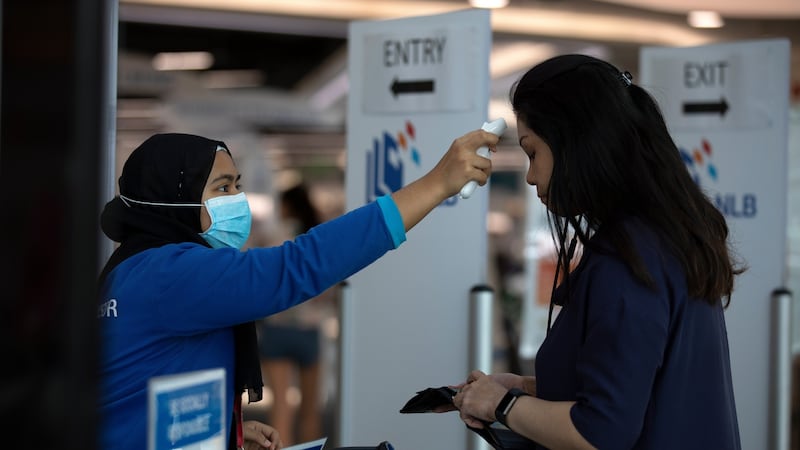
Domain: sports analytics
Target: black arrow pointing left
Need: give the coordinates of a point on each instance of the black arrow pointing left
(411, 87)
(720, 107)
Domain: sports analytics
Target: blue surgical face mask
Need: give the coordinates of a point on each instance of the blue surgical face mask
(230, 221)
(230, 218)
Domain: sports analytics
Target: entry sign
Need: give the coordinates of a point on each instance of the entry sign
(187, 411)
(421, 69)
(727, 108)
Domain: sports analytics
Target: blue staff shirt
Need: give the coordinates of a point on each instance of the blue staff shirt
(172, 309)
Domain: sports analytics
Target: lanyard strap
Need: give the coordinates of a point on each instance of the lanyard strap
(237, 417)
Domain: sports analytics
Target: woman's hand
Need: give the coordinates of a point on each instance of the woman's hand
(477, 399)
(259, 436)
(447, 407)
(460, 164)
(511, 381)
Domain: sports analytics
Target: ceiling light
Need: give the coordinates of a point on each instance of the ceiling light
(573, 24)
(705, 19)
(183, 61)
(491, 4)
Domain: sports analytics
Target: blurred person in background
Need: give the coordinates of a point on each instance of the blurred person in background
(289, 342)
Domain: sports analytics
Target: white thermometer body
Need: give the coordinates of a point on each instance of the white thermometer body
(496, 127)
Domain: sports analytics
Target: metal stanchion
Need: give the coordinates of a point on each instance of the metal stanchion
(480, 343)
(108, 152)
(344, 407)
(781, 386)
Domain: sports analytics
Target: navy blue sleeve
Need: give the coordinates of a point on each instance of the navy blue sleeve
(626, 331)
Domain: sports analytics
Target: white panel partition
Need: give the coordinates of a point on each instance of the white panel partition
(415, 85)
(727, 108)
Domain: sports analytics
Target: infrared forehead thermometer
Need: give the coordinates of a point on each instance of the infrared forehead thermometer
(496, 127)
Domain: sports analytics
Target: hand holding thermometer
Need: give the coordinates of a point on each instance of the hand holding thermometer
(496, 127)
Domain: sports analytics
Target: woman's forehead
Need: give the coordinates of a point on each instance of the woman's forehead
(223, 166)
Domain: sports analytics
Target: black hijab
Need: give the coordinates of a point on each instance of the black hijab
(172, 168)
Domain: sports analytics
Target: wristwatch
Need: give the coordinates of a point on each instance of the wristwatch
(506, 403)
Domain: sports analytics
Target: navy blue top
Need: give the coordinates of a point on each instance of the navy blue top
(648, 369)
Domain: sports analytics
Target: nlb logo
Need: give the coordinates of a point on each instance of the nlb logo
(699, 162)
(387, 161)
(701, 167)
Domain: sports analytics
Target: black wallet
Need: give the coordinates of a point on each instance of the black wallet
(498, 436)
(427, 400)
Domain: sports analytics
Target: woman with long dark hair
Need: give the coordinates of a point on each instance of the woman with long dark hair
(637, 356)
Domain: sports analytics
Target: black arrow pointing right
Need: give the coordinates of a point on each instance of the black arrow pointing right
(411, 87)
(720, 107)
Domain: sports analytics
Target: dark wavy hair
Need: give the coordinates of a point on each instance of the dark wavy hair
(297, 200)
(614, 158)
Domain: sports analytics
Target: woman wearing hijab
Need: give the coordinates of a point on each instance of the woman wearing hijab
(178, 295)
(637, 357)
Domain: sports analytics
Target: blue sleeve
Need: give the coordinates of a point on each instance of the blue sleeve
(197, 288)
(394, 221)
(626, 332)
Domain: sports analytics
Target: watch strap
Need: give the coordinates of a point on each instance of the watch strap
(506, 403)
